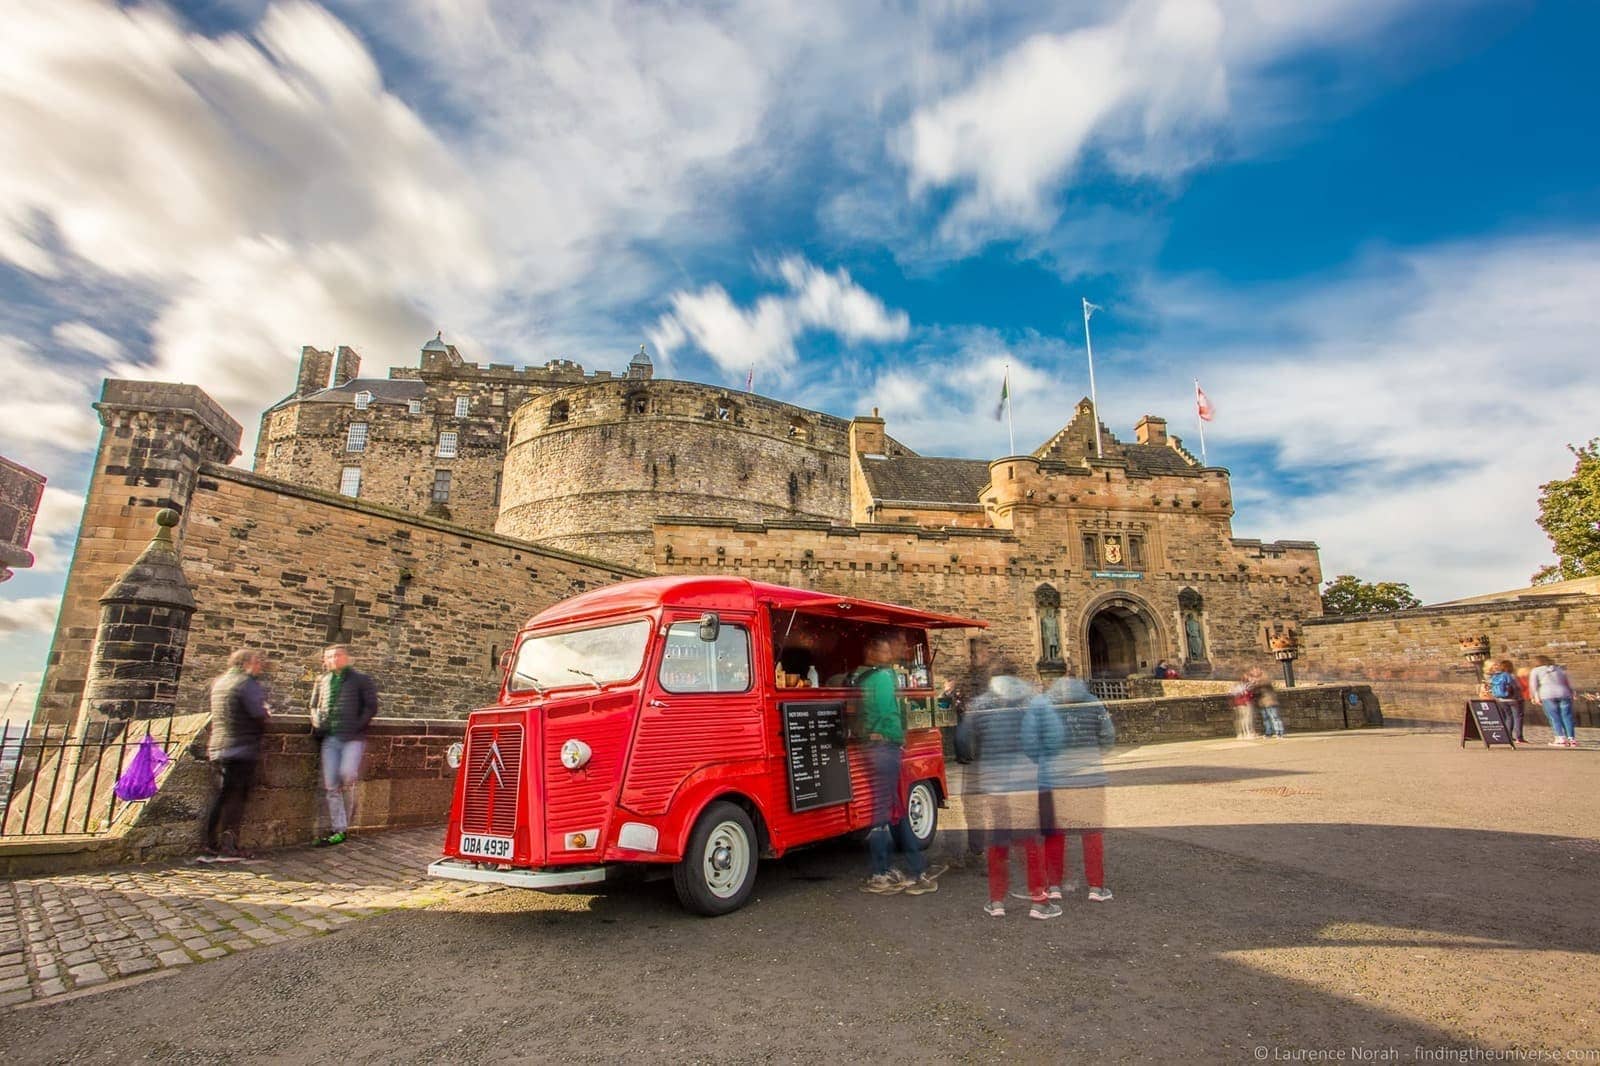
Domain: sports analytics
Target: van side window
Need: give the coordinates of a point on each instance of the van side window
(690, 664)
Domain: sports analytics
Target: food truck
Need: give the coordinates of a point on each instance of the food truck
(689, 724)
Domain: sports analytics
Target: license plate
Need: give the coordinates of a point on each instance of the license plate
(486, 847)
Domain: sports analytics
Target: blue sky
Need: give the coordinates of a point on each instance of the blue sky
(1369, 228)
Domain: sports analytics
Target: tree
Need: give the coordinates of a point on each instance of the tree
(1348, 594)
(1569, 512)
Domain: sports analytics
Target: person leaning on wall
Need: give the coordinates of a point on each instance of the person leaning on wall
(343, 705)
(239, 714)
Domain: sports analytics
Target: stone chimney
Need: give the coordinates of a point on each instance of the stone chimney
(315, 368)
(867, 436)
(1151, 430)
(347, 368)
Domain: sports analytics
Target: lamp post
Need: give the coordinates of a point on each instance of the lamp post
(1284, 649)
(1476, 651)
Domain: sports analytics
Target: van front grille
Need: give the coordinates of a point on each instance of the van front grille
(494, 772)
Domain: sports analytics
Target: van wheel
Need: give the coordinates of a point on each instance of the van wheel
(718, 870)
(922, 813)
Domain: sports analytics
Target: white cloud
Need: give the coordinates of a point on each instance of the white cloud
(764, 335)
(1423, 399)
(45, 412)
(1150, 91)
(86, 338)
(55, 528)
(32, 614)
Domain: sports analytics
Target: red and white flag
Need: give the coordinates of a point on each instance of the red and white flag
(1202, 405)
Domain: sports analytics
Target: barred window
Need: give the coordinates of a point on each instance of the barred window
(356, 439)
(414, 407)
(441, 486)
(363, 400)
(462, 405)
(350, 481)
(447, 444)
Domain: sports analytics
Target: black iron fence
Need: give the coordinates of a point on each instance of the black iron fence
(54, 783)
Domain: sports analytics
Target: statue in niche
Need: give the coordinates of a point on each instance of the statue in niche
(1050, 635)
(1197, 643)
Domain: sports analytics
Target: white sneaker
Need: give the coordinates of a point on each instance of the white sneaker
(1099, 895)
(1044, 911)
(1053, 893)
(883, 884)
(995, 909)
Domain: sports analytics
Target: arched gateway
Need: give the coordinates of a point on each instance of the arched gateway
(1121, 636)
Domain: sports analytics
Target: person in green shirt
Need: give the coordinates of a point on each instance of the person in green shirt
(343, 705)
(884, 727)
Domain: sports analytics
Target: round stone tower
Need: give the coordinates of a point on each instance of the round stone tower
(588, 468)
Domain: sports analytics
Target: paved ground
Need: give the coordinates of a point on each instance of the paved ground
(61, 934)
(1376, 896)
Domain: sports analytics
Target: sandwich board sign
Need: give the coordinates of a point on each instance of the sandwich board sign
(1483, 721)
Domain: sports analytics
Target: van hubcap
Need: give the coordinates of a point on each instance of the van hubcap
(919, 811)
(727, 859)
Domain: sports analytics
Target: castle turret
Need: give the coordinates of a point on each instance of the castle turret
(640, 366)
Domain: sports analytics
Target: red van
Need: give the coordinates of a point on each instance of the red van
(692, 723)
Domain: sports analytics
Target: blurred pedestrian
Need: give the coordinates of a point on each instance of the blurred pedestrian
(239, 714)
(1244, 717)
(1265, 697)
(1006, 784)
(343, 705)
(1552, 690)
(1073, 793)
(883, 725)
(1504, 690)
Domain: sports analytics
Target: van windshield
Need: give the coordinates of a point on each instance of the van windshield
(580, 657)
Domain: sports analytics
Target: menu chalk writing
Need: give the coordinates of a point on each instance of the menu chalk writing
(1483, 721)
(819, 767)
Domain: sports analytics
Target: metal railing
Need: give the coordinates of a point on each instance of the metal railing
(1105, 688)
(53, 783)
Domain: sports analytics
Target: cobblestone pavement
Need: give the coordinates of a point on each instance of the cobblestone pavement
(74, 931)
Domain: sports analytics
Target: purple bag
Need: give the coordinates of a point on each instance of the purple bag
(138, 781)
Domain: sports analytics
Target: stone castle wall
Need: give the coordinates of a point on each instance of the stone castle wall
(994, 576)
(1414, 660)
(587, 468)
(426, 606)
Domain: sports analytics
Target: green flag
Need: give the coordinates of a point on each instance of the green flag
(1005, 396)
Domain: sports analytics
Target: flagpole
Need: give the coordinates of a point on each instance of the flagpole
(1093, 400)
(1011, 429)
(1200, 423)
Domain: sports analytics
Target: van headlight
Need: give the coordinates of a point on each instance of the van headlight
(575, 754)
(452, 755)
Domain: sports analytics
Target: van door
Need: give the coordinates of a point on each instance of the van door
(702, 708)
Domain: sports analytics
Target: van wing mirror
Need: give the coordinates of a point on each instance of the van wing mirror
(710, 626)
(505, 661)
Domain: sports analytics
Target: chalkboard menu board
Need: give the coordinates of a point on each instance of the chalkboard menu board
(1483, 721)
(819, 768)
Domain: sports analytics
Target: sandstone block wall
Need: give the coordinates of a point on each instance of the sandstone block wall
(153, 439)
(426, 606)
(1414, 658)
(991, 575)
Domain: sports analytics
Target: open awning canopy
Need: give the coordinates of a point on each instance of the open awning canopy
(847, 607)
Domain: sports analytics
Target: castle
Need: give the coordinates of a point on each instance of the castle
(424, 515)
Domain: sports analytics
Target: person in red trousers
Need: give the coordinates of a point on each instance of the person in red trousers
(1072, 784)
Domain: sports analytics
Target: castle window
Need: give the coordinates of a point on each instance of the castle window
(447, 444)
(559, 412)
(496, 501)
(1136, 552)
(462, 406)
(1091, 550)
(497, 398)
(441, 486)
(637, 403)
(356, 439)
(350, 481)
(363, 400)
(413, 407)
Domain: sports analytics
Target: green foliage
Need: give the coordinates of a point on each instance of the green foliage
(1348, 594)
(1569, 512)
